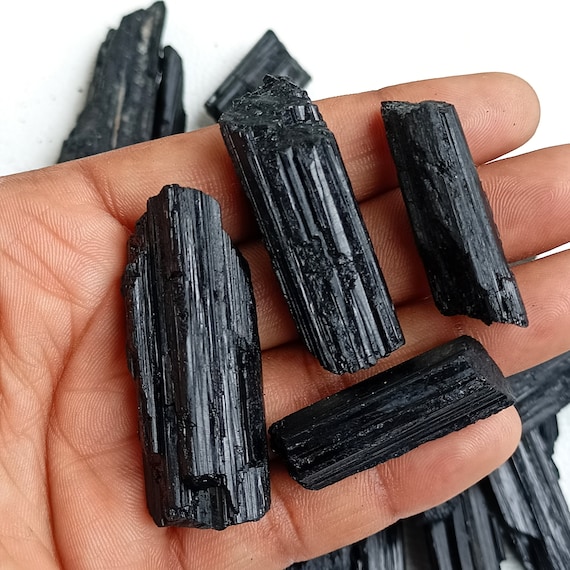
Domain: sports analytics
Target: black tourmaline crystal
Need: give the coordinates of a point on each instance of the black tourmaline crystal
(170, 117)
(451, 218)
(542, 391)
(193, 348)
(123, 104)
(462, 534)
(267, 57)
(291, 169)
(534, 510)
(387, 415)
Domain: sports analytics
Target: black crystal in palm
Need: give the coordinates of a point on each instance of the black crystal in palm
(387, 415)
(193, 349)
(292, 171)
(450, 214)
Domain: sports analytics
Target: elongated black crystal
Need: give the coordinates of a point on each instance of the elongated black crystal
(267, 57)
(463, 534)
(542, 391)
(291, 169)
(387, 415)
(451, 218)
(170, 117)
(121, 100)
(381, 551)
(533, 507)
(193, 349)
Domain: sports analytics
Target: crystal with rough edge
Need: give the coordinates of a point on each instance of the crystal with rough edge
(170, 117)
(193, 349)
(291, 169)
(542, 391)
(267, 57)
(451, 217)
(463, 534)
(530, 499)
(387, 415)
(381, 551)
(121, 100)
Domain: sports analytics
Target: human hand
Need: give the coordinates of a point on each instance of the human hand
(71, 479)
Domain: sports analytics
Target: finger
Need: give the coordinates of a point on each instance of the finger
(303, 524)
(524, 191)
(499, 113)
(293, 378)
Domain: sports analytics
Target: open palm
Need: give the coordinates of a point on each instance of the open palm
(71, 482)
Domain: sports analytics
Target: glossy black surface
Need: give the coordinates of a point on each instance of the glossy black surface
(193, 349)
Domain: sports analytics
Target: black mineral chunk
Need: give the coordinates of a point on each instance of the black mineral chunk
(291, 169)
(121, 100)
(267, 57)
(534, 510)
(542, 391)
(451, 218)
(170, 117)
(381, 551)
(462, 534)
(193, 349)
(387, 415)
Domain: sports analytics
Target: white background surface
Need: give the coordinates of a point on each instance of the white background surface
(48, 49)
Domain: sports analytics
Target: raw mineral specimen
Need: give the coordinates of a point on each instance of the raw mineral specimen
(381, 551)
(122, 98)
(193, 349)
(291, 169)
(531, 502)
(451, 218)
(542, 391)
(463, 534)
(387, 415)
(267, 57)
(170, 117)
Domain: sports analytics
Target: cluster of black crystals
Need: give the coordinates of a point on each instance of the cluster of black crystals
(451, 218)
(135, 93)
(267, 57)
(291, 169)
(519, 506)
(202, 427)
(391, 413)
(193, 350)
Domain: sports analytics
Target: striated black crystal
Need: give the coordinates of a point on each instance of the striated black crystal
(170, 117)
(193, 349)
(463, 534)
(451, 218)
(542, 391)
(120, 106)
(267, 57)
(534, 510)
(291, 169)
(387, 415)
(381, 551)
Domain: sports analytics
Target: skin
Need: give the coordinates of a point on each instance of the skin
(71, 488)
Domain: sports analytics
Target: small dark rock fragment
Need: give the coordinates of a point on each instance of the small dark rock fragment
(387, 415)
(267, 57)
(193, 349)
(170, 117)
(451, 218)
(292, 172)
(121, 101)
